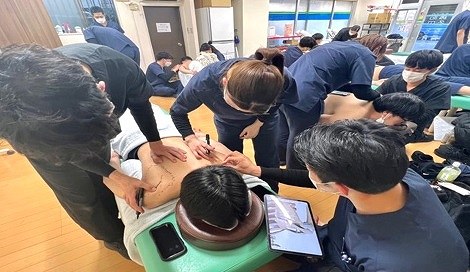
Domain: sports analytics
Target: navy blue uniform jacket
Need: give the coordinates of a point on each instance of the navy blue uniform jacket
(330, 67)
(205, 88)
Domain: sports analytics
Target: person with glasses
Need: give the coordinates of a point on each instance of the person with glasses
(244, 95)
(387, 218)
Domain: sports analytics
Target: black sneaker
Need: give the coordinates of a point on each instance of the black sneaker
(449, 151)
(119, 247)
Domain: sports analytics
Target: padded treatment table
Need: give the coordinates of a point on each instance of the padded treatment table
(248, 257)
(462, 102)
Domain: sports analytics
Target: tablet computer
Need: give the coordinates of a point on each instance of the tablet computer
(291, 228)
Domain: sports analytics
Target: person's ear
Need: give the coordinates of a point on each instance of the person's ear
(224, 82)
(101, 86)
(341, 189)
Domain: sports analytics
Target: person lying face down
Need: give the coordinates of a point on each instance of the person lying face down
(215, 194)
(391, 109)
(167, 176)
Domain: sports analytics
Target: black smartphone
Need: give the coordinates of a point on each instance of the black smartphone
(168, 242)
(291, 228)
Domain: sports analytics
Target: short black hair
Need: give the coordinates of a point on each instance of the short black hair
(51, 108)
(163, 55)
(216, 194)
(205, 47)
(355, 28)
(406, 105)
(317, 36)
(364, 155)
(185, 58)
(96, 9)
(307, 41)
(424, 59)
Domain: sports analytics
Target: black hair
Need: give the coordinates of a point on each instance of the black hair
(185, 58)
(317, 36)
(364, 155)
(51, 108)
(355, 28)
(406, 105)
(205, 47)
(424, 59)
(96, 9)
(307, 41)
(216, 194)
(163, 55)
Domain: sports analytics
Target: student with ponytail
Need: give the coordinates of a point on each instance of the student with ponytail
(244, 95)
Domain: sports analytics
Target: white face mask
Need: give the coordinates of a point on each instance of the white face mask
(101, 20)
(411, 77)
(168, 63)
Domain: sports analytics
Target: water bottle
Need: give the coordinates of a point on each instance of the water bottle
(449, 173)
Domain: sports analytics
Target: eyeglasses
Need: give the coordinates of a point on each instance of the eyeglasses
(253, 107)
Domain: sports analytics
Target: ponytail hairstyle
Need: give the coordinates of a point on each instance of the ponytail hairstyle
(255, 84)
(376, 43)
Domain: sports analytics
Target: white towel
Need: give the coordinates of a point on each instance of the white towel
(128, 139)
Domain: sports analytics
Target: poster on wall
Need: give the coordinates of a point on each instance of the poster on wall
(163, 27)
(435, 23)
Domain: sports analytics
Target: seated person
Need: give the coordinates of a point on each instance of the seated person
(388, 218)
(347, 33)
(188, 68)
(391, 109)
(214, 50)
(318, 37)
(294, 52)
(453, 76)
(206, 56)
(167, 177)
(164, 80)
(415, 79)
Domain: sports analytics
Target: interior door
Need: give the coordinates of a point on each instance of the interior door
(165, 30)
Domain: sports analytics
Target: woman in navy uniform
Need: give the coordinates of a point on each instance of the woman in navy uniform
(346, 66)
(244, 95)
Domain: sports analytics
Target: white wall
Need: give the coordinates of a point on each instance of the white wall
(251, 21)
(135, 26)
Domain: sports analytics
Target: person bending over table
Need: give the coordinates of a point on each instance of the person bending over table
(167, 178)
(387, 218)
(345, 66)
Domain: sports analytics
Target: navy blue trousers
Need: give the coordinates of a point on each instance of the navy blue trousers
(265, 144)
(298, 121)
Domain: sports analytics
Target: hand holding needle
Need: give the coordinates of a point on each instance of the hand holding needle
(140, 199)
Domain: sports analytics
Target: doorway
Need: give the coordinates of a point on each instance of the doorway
(165, 30)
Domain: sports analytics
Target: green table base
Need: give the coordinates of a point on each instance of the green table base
(460, 102)
(246, 258)
(401, 53)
